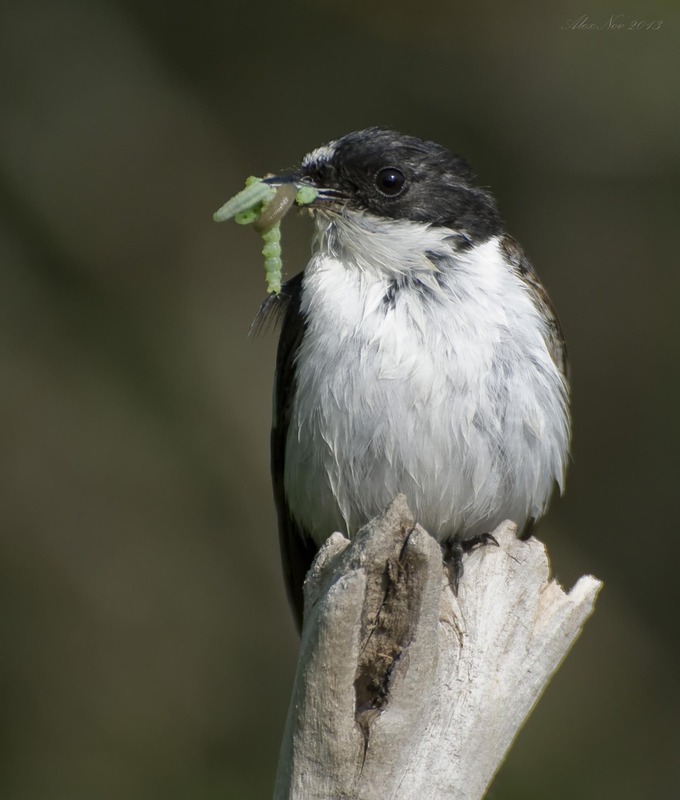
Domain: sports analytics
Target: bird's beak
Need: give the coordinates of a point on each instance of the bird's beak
(325, 197)
(282, 180)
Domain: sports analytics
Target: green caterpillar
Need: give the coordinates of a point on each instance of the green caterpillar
(246, 200)
(263, 207)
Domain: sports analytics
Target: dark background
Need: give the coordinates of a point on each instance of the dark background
(146, 648)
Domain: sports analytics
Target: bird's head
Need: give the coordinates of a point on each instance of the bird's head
(391, 176)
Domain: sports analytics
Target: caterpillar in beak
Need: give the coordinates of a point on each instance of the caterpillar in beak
(263, 207)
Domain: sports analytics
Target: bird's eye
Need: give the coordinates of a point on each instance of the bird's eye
(390, 181)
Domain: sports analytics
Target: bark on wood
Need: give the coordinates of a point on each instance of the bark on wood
(404, 690)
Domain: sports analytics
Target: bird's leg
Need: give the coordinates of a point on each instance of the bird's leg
(454, 550)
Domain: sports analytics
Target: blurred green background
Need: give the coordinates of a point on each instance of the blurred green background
(146, 647)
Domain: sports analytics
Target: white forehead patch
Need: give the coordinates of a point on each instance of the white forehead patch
(321, 154)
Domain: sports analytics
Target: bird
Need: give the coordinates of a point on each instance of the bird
(419, 354)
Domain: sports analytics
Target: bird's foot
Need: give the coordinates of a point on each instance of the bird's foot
(454, 550)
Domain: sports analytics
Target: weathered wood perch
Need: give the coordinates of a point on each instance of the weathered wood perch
(404, 690)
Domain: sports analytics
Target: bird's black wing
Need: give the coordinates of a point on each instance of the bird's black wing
(297, 548)
(553, 336)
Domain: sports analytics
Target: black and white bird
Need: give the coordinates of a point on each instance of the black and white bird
(419, 354)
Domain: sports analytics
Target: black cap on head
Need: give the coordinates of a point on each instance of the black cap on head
(396, 176)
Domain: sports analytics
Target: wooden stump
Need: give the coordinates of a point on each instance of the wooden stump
(404, 690)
